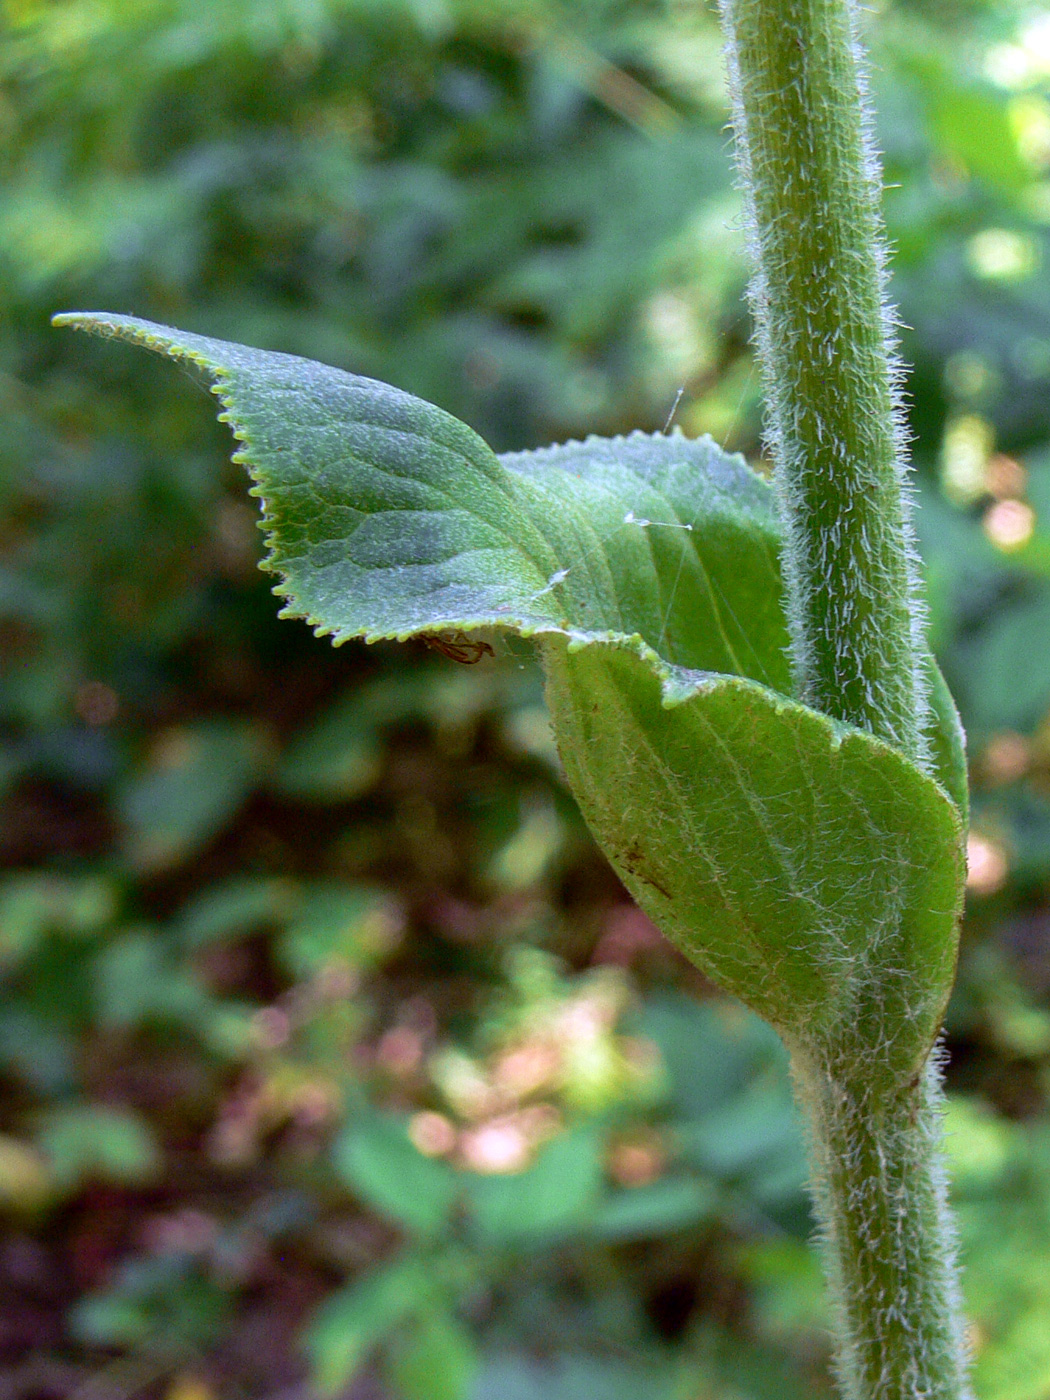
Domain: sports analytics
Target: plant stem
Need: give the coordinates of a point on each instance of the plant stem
(881, 1195)
(825, 337)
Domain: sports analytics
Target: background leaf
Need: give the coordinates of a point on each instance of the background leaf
(377, 1160)
(547, 1199)
(92, 1142)
(191, 784)
(435, 1359)
(357, 1317)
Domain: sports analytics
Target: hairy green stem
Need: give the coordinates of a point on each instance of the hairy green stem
(881, 1195)
(825, 337)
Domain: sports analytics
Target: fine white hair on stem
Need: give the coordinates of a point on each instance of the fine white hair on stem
(896, 702)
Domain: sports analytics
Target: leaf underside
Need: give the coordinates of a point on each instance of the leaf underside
(812, 869)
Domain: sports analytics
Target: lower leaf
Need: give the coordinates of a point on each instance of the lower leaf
(809, 868)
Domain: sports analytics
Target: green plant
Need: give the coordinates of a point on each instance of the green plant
(795, 828)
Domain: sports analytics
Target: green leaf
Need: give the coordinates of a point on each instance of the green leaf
(972, 126)
(336, 759)
(358, 1317)
(695, 569)
(551, 1197)
(235, 908)
(35, 1048)
(642, 1212)
(1007, 671)
(948, 743)
(339, 925)
(810, 868)
(90, 1140)
(712, 1050)
(192, 783)
(166, 1300)
(386, 517)
(137, 980)
(375, 1158)
(742, 1137)
(567, 1376)
(34, 904)
(107, 1319)
(436, 1359)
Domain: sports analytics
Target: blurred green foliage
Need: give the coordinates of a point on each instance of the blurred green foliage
(329, 1047)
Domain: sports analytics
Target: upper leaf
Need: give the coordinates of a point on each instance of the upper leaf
(387, 517)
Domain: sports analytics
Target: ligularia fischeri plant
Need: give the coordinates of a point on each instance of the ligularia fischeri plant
(737, 673)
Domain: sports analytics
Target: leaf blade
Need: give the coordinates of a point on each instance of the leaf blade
(388, 518)
(811, 869)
